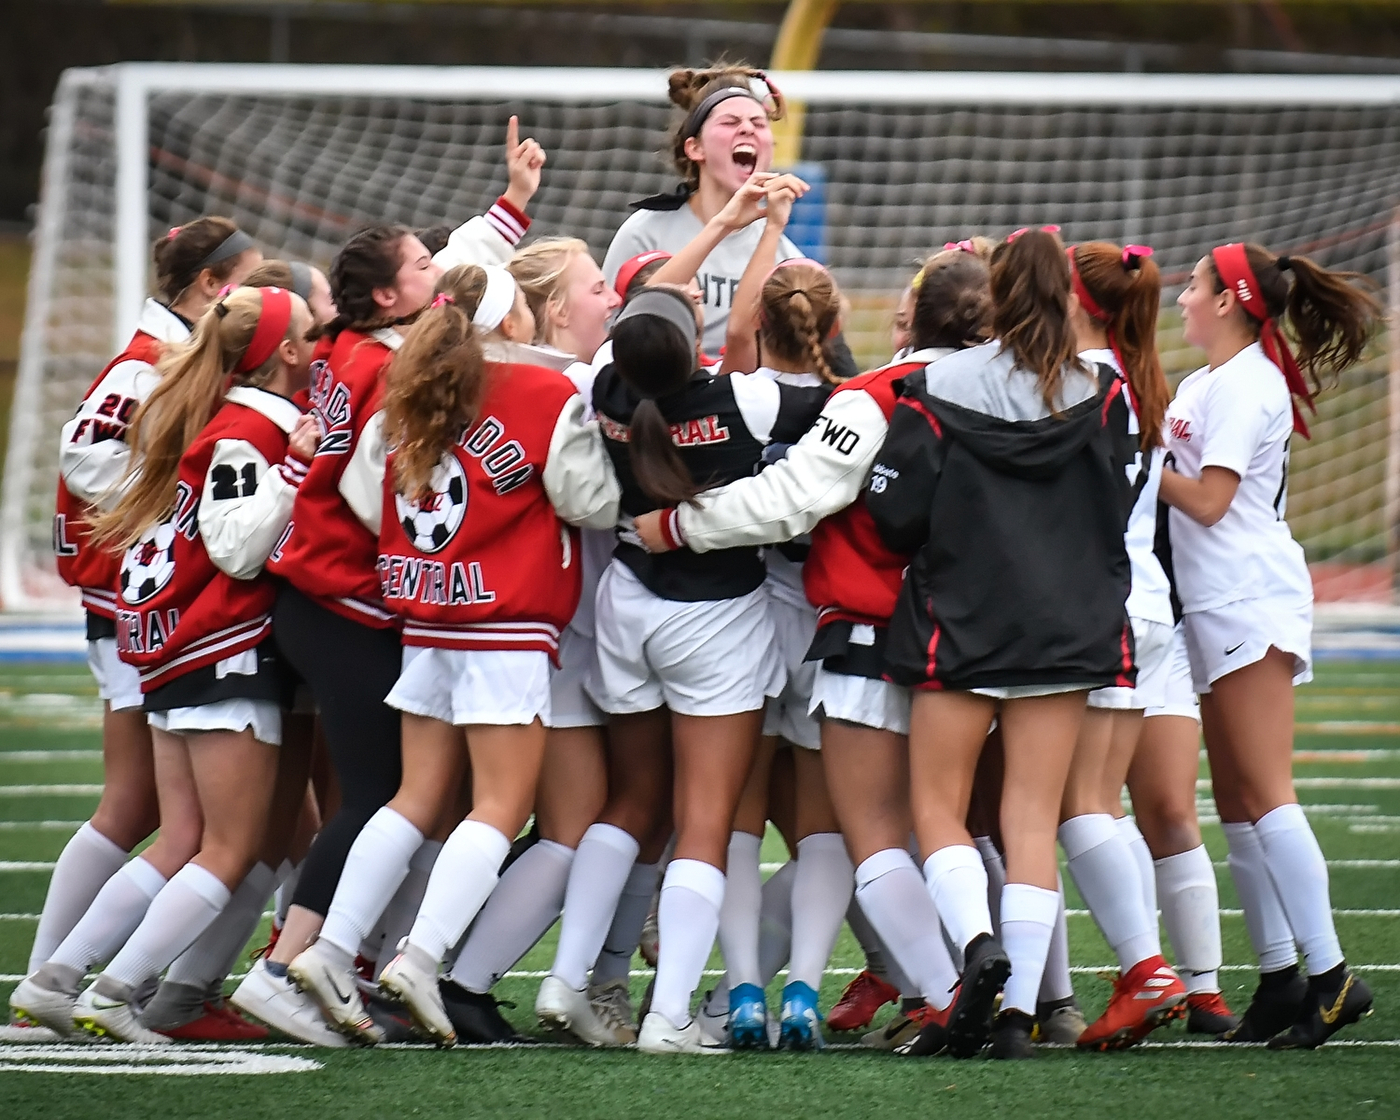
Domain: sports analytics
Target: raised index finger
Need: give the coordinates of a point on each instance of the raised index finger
(512, 135)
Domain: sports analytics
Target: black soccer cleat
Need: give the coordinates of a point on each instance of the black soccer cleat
(1208, 1013)
(1275, 1006)
(1335, 999)
(984, 974)
(476, 1017)
(1011, 1036)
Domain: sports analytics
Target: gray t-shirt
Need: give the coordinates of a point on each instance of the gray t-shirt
(673, 230)
(986, 379)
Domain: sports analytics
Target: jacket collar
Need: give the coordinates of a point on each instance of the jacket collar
(161, 323)
(279, 410)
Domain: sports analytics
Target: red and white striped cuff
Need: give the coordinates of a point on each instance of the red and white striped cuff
(671, 528)
(293, 469)
(506, 220)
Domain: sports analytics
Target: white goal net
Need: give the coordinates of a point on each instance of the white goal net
(301, 156)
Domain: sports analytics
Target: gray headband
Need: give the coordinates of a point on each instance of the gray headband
(301, 279)
(695, 121)
(235, 243)
(661, 303)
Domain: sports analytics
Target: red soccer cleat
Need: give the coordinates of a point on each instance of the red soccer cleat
(1208, 1013)
(219, 1023)
(1150, 995)
(364, 968)
(863, 996)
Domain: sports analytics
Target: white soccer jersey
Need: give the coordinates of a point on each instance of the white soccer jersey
(1238, 416)
(673, 230)
(1151, 594)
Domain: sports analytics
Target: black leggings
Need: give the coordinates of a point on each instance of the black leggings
(350, 669)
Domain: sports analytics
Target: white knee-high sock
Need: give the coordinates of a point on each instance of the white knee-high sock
(688, 919)
(184, 909)
(211, 957)
(1055, 982)
(601, 867)
(774, 931)
(738, 921)
(463, 877)
(1264, 916)
(402, 910)
(892, 894)
(1027, 920)
(376, 865)
(876, 960)
(286, 891)
(525, 903)
(996, 876)
(1106, 874)
(1299, 873)
(614, 960)
(821, 892)
(112, 918)
(87, 861)
(1142, 856)
(957, 883)
(1191, 913)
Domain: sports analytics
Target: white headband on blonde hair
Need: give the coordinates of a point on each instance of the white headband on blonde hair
(496, 300)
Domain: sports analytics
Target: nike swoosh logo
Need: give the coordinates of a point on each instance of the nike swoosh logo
(344, 999)
(1329, 1016)
(1232, 649)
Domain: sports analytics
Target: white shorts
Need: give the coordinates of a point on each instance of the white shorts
(1026, 691)
(569, 704)
(263, 717)
(470, 686)
(787, 714)
(117, 682)
(1227, 638)
(1152, 643)
(717, 657)
(1178, 696)
(882, 705)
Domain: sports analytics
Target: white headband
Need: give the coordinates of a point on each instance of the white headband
(496, 300)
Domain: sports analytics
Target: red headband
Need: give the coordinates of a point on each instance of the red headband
(1129, 258)
(273, 321)
(1086, 301)
(1232, 263)
(628, 272)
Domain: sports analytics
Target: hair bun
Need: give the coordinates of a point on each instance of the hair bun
(683, 85)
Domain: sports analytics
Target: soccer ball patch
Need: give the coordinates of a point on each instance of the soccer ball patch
(434, 521)
(148, 564)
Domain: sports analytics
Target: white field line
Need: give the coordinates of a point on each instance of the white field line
(50, 756)
(163, 1061)
(59, 826)
(82, 790)
(1348, 727)
(1204, 784)
(26, 864)
(35, 917)
(1379, 755)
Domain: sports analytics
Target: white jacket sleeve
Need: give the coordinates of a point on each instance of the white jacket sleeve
(93, 452)
(822, 474)
(244, 508)
(362, 480)
(578, 476)
(488, 238)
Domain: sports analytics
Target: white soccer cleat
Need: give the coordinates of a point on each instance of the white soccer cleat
(43, 1007)
(612, 1006)
(713, 1017)
(561, 1008)
(660, 1036)
(316, 972)
(409, 979)
(274, 1000)
(113, 1018)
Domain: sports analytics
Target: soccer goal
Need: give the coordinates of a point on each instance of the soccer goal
(302, 155)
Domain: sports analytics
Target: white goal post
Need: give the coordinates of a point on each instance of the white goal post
(300, 155)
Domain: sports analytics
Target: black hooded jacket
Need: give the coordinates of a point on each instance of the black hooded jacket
(1020, 575)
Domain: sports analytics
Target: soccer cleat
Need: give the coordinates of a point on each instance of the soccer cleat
(801, 1027)
(562, 1009)
(984, 973)
(364, 969)
(1335, 999)
(412, 979)
(316, 972)
(1208, 1013)
(863, 997)
(1011, 1036)
(391, 1017)
(748, 1018)
(1059, 1022)
(35, 1003)
(713, 1015)
(660, 1036)
(1276, 1005)
(217, 1024)
(1148, 996)
(107, 1017)
(650, 944)
(276, 1001)
(612, 1004)
(475, 1015)
(932, 1035)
